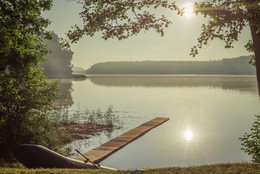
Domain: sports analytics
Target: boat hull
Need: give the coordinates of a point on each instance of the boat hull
(36, 156)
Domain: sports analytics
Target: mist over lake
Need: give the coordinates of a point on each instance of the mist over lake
(207, 116)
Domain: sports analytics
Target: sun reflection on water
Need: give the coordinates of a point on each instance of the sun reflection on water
(188, 135)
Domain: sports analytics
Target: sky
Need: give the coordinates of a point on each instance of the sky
(179, 38)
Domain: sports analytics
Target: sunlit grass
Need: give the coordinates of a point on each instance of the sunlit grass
(231, 168)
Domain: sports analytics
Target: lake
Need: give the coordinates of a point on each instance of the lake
(207, 116)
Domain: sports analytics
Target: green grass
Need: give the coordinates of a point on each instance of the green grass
(232, 168)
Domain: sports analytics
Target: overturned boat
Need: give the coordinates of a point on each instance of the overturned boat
(36, 156)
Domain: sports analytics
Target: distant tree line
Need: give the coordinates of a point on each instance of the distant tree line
(233, 66)
(58, 59)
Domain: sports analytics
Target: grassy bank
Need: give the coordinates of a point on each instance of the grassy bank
(232, 168)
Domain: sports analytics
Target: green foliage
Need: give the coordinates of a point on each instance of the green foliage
(25, 94)
(251, 141)
(22, 28)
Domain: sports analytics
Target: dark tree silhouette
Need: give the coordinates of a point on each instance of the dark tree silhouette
(124, 18)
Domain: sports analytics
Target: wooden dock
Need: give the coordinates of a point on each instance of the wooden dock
(100, 153)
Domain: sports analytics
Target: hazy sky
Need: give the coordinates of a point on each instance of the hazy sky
(175, 45)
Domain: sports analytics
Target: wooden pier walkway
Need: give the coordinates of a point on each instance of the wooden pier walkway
(100, 153)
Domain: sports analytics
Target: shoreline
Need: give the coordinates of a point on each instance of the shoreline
(70, 76)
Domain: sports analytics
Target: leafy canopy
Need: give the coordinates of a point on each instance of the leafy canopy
(121, 19)
(25, 94)
(124, 18)
(226, 21)
(251, 141)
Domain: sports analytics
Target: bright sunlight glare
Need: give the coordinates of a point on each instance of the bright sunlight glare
(188, 10)
(188, 135)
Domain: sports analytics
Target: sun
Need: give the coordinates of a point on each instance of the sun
(188, 135)
(188, 10)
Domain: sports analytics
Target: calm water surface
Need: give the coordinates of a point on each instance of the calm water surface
(207, 116)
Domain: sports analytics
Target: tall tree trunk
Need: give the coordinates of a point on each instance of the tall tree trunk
(254, 21)
(256, 47)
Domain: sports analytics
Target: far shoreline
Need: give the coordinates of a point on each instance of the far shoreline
(183, 75)
(72, 76)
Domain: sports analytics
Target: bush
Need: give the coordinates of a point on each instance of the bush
(251, 141)
(26, 96)
(25, 101)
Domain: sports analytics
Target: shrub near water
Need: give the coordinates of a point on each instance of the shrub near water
(26, 96)
(251, 141)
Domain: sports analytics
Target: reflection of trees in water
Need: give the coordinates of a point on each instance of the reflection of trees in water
(65, 89)
(224, 82)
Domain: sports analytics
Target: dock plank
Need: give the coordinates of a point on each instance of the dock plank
(100, 153)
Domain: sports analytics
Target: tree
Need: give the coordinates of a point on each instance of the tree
(25, 94)
(251, 141)
(124, 18)
(226, 21)
(58, 60)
